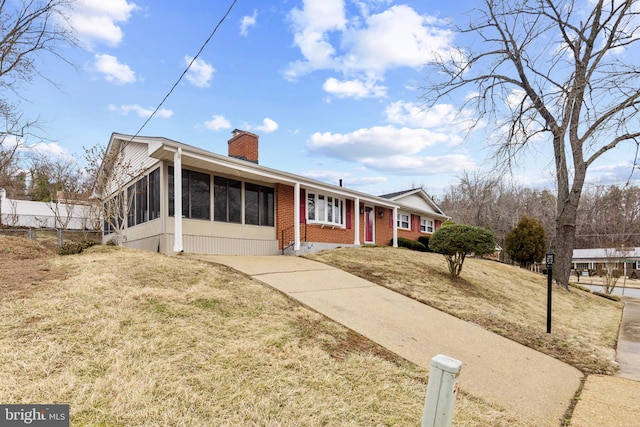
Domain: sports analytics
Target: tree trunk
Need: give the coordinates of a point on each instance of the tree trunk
(565, 236)
(567, 211)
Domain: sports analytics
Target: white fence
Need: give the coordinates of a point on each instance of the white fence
(24, 213)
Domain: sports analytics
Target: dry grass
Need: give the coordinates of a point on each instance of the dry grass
(137, 338)
(505, 299)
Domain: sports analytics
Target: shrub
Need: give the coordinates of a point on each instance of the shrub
(582, 288)
(607, 296)
(71, 248)
(425, 241)
(414, 245)
(456, 241)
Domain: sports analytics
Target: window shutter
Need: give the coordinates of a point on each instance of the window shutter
(349, 209)
(303, 206)
(413, 221)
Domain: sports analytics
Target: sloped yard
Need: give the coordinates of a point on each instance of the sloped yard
(137, 338)
(505, 299)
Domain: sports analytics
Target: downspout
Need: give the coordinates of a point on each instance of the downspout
(356, 211)
(177, 200)
(395, 227)
(296, 217)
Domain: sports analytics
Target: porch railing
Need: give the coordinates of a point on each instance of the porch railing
(288, 236)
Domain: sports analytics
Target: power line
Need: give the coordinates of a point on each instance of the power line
(183, 74)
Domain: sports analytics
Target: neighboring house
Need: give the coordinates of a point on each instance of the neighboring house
(232, 205)
(628, 259)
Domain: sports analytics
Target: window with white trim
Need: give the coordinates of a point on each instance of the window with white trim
(325, 209)
(426, 225)
(403, 221)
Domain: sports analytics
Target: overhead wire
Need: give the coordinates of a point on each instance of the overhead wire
(215, 29)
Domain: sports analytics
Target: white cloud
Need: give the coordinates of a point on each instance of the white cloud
(348, 180)
(46, 149)
(353, 89)
(311, 27)
(422, 165)
(397, 37)
(140, 111)
(217, 123)
(444, 118)
(391, 149)
(415, 115)
(366, 46)
(376, 142)
(98, 21)
(248, 22)
(268, 126)
(113, 70)
(200, 73)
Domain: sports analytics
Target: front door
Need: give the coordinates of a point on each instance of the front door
(368, 225)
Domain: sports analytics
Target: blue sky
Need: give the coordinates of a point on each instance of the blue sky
(332, 87)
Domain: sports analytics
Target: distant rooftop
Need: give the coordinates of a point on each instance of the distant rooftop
(397, 193)
(603, 253)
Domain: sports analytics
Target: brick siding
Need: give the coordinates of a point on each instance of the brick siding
(244, 145)
(328, 234)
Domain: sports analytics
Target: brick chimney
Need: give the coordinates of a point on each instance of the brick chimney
(244, 145)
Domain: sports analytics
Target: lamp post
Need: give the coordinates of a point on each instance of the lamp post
(549, 258)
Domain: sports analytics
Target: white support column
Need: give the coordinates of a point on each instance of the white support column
(395, 227)
(296, 217)
(356, 222)
(177, 200)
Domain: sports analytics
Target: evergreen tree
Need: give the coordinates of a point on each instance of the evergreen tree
(526, 243)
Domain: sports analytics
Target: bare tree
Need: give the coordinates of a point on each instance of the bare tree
(609, 216)
(612, 268)
(28, 29)
(110, 174)
(497, 204)
(557, 71)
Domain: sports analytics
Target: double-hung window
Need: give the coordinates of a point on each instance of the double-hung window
(426, 225)
(403, 221)
(325, 209)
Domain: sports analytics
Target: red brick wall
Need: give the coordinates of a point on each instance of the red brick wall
(327, 234)
(284, 210)
(384, 227)
(244, 144)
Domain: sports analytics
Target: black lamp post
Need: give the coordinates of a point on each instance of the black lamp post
(549, 258)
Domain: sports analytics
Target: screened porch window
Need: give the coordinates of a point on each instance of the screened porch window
(227, 200)
(196, 194)
(258, 205)
(142, 203)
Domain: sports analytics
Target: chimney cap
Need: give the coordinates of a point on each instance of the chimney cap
(240, 131)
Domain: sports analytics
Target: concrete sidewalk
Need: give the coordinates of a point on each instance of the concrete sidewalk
(628, 354)
(613, 401)
(536, 387)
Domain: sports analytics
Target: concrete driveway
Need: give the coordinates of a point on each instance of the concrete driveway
(533, 385)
